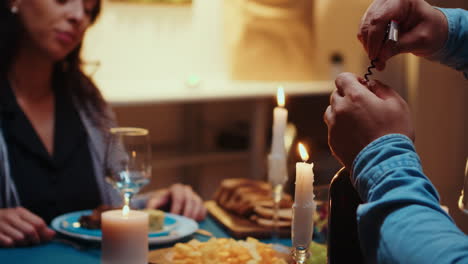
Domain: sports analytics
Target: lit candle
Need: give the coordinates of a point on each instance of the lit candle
(280, 116)
(304, 205)
(124, 237)
(277, 171)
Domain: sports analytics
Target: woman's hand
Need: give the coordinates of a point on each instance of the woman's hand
(423, 30)
(182, 199)
(359, 114)
(20, 227)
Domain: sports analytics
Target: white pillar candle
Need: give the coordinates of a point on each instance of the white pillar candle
(304, 205)
(124, 237)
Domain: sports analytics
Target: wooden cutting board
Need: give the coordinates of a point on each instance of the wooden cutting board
(239, 227)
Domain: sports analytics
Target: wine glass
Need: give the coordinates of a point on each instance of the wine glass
(128, 160)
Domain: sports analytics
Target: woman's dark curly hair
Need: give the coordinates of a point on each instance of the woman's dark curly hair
(76, 83)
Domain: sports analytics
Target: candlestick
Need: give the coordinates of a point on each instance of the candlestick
(124, 237)
(277, 176)
(277, 196)
(277, 167)
(304, 205)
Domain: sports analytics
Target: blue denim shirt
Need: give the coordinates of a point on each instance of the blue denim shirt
(455, 51)
(401, 220)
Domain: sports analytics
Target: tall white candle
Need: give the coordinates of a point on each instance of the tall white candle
(277, 171)
(124, 237)
(304, 205)
(280, 116)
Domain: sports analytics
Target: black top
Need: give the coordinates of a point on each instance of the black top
(49, 185)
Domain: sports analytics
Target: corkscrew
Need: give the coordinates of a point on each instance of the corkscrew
(390, 35)
(369, 72)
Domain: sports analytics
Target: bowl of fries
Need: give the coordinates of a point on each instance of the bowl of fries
(220, 250)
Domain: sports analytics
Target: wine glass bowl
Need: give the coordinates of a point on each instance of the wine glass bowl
(128, 160)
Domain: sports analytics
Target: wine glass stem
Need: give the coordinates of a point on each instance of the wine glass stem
(277, 195)
(127, 198)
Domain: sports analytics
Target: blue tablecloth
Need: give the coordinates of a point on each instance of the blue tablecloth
(59, 253)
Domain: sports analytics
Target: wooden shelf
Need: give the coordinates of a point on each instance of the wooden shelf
(153, 54)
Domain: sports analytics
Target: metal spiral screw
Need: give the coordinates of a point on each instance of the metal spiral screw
(369, 72)
(391, 35)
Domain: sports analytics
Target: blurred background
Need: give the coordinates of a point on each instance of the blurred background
(202, 77)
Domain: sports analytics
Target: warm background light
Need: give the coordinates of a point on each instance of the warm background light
(303, 152)
(280, 96)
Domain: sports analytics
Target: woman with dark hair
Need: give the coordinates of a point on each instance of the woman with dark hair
(53, 122)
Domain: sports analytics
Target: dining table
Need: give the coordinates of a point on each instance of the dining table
(65, 250)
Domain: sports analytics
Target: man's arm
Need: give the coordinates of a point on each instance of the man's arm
(402, 221)
(434, 33)
(455, 51)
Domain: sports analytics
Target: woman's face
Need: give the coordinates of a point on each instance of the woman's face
(54, 27)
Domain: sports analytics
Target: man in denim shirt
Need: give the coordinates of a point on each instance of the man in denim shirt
(371, 133)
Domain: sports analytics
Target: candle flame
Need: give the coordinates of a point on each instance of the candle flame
(125, 210)
(303, 152)
(280, 96)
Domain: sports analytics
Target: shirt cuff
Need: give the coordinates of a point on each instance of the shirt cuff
(454, 53)
(376, 159)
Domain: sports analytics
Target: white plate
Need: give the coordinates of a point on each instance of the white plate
(175, 228)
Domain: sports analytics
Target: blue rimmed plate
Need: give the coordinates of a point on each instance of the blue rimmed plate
(175, 227)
